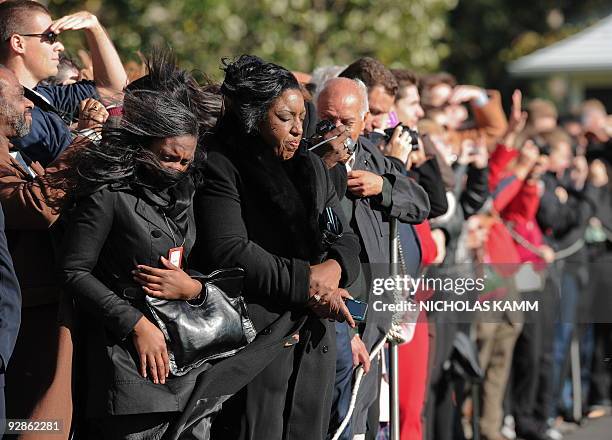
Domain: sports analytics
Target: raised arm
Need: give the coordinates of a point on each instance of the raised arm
(109, 74)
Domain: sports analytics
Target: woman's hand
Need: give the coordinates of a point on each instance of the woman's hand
(332, 306)
(326, 299)
(325, 277)
(170, 283)
(92, 114)
(152, 352)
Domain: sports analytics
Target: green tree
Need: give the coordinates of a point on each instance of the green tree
(484, 35)
(299, 34)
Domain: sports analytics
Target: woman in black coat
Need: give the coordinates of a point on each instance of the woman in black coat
(262, 207)
(132, 204)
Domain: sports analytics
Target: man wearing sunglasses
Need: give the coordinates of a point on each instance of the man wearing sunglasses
(30, 48)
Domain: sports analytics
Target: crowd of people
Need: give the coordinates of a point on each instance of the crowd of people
(293, 192)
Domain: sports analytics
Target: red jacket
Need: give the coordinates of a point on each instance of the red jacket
(516, 201)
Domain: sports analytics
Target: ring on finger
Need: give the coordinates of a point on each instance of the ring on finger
(317, 297)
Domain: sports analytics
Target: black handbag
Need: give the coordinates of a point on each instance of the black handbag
(213, 326)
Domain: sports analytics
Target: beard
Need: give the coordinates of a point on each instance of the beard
(20, 125)
(16, 122)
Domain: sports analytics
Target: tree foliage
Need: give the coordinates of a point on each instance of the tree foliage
(484, 35)
(299, 34)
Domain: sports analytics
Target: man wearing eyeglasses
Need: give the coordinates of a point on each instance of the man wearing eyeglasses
(30, 48)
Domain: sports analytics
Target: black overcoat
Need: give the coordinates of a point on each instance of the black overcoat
(10, 309)
(107, 234)
(262, 215)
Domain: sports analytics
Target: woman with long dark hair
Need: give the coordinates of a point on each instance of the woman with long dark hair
(131, 199)
(264, 206)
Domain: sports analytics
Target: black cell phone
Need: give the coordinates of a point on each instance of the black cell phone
(357, 309)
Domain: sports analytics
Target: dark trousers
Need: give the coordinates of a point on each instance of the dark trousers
(32, 365)
(601, 376)
(545, 384)
(440, 412)
(2, 408)
(130, 427)
(342, 387)
(531, 366)
(600, 287)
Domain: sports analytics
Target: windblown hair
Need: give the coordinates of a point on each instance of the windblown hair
(250, 87)
(167, 102)
(212, 103)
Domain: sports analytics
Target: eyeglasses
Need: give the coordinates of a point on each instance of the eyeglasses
(51, 37)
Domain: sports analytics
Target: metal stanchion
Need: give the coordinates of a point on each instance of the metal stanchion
(394, 424)
(576, 376)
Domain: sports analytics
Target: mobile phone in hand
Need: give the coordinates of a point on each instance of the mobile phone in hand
(357, 309)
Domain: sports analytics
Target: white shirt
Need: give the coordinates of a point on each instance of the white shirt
(350, 163)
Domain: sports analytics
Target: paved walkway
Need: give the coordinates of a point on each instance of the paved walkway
(599, 429)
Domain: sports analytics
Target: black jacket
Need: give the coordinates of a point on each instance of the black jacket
(429, 177)
(402, 198)
(261, 214)
(10, 306)
(108, 234)
(564, 224)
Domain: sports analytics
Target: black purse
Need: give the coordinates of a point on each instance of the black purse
(213, 326)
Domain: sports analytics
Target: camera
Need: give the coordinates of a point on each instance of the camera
(414, 135)
(318, 139)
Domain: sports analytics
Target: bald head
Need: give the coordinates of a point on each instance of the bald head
(15, 109)
(348, 90)
(344, 101)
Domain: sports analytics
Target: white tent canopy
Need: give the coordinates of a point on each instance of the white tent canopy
(587, 51)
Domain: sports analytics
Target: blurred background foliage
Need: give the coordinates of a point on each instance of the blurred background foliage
(299, 34)
(473, 39)
(484, 35)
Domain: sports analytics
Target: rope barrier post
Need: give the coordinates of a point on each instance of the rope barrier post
(394, 423)
(576, 377)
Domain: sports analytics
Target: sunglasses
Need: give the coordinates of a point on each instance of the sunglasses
(50, 36)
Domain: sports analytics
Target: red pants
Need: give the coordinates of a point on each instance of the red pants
(413, 381)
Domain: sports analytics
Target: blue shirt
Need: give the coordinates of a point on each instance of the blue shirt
(50, 134)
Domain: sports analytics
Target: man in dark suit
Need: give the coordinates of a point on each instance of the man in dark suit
(10, 312)
(377, 191)
(14, 117)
